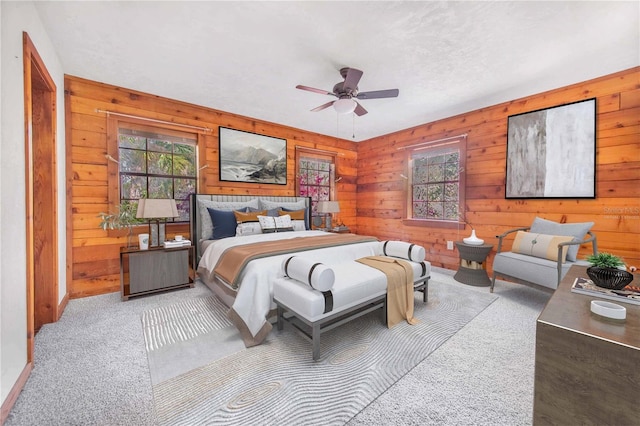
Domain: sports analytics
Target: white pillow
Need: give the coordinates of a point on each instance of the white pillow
(299, 225)
(314, 274)
(206, 226)
(403, 250)
(275, 223)
(269, 205)
(248, 228)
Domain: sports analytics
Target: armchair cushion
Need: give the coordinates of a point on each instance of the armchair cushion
(540, 245)
(575, 230)
(529, 268)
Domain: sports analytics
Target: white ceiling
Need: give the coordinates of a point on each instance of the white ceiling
(246, 58)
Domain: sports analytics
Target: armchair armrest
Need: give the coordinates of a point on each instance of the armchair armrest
(502, 236)
(591, 239)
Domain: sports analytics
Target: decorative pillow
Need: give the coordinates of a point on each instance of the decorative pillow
(275, 224)
(248, 228)
(224, 223)
(206, 226)
(314, 274)
(403, 250)
(299, 225)
(295, 205)
(297, 215)
(576, 230)
(540, 245)
(242, 217)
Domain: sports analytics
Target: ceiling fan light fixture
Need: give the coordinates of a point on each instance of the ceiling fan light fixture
(345, 106)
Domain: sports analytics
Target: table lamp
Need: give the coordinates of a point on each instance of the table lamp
(156, 209)
(327, 208)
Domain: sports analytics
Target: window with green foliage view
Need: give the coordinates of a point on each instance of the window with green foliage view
(437, 182)
(435, 186)
(154, 165)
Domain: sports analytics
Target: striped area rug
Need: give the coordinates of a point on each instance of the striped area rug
(278, 383)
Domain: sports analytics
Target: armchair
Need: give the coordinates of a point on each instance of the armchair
(534, 257)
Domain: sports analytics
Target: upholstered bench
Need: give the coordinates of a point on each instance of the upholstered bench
(356, 290)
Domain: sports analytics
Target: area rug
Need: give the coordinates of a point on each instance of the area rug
(278, 382)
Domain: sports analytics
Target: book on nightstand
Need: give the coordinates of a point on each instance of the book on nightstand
(585, 286)
(175, 244)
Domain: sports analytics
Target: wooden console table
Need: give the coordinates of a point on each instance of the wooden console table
(587, 368)
(154, 270)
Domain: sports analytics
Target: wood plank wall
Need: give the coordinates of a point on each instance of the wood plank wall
(616, 210)
(94, 262)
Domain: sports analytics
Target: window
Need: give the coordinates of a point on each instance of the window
(157, 163)
(437, 181)
(316, 178)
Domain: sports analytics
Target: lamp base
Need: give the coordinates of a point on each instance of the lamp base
(328, 221)
(153, 232)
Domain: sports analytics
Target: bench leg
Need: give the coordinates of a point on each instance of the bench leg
(280, 321)
(384, 311)
(315, 341)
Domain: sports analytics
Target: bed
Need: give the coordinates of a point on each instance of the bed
(245, 284)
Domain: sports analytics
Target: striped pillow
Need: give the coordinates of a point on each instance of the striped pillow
(540, 245)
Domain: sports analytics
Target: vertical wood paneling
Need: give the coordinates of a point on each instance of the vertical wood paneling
(615, 211)
(95, 265)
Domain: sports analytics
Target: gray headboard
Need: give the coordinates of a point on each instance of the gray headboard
(194, 215)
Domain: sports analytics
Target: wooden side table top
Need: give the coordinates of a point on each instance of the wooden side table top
(572, 311)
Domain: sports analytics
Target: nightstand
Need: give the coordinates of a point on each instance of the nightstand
(154, 270)
(344, 230)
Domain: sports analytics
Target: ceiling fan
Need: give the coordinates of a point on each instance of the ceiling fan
(347, 91)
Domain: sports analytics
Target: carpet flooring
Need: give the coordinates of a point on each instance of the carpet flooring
(92, 368)
(278, 382)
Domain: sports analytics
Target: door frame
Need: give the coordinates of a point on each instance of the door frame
(41, 179)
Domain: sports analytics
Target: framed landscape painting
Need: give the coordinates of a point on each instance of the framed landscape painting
(551, 153)
(250, 157)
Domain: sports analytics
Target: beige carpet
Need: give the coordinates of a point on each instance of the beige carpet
(278, 382)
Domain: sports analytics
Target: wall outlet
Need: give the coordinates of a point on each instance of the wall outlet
(449, 245)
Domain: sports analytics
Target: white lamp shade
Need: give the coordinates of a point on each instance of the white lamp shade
(156, 208)
(328, 207)
(344, 106)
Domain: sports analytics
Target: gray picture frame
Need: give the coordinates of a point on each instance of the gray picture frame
(251, 158)
(551, 152)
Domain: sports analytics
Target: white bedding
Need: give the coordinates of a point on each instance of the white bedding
(254, 297)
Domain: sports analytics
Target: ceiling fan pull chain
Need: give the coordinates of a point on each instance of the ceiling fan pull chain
(353, 125)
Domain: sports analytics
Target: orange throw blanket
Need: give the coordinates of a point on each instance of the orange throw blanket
(233, 260)
(399, 287)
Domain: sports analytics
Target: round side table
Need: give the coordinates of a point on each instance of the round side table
(472, 268)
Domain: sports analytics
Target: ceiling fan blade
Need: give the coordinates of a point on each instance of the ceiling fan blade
(352, 79)
(323, 106)
(311, 89)
(377, 94)
(359, 110)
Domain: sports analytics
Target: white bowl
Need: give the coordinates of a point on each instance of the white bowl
(608, 309)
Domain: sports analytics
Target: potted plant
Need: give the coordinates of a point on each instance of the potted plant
(125, 217)
(608, 271)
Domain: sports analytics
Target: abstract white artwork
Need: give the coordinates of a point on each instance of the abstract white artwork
(551, 153)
